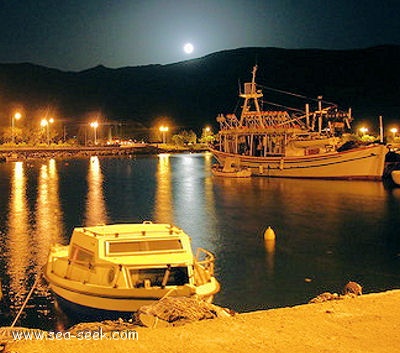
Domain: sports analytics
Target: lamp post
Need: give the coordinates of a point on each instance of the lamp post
(163, 130)
(16, 116)
(364, 130)
(394, 132)
(45, 123)
(95, 125)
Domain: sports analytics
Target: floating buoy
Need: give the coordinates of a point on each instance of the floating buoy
(269, 234)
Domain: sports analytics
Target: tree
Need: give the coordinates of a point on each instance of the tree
(184, 138)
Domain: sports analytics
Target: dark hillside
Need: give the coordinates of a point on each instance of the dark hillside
(193, 92)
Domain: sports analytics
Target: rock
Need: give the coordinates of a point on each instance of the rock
(178, 311)
(325, 297)
(352, 288)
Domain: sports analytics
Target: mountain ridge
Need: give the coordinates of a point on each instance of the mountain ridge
(191, 93)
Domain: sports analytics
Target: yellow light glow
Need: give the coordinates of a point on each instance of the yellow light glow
(94, 124)
(96, 211)
(44, 122)
(17, 241)
(163, 195)
(17, 116)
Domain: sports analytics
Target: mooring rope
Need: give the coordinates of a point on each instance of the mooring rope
(26, 299)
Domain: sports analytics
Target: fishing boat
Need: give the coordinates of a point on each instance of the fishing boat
(111, 271)
(230, 169)
(300, 144)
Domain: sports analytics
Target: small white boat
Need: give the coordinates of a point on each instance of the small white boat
(231, 169)
(396, 177)
(111, 271)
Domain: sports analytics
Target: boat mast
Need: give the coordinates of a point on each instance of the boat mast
(251, 94)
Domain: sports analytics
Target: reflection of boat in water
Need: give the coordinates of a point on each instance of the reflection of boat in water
(303, 144)
(112, 270)
(230, 169)
(396, 177)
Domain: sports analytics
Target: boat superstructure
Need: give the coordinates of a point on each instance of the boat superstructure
(118, 268)
(304, 144)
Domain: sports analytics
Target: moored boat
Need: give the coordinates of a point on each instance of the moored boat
(303, 144)
(111, 271)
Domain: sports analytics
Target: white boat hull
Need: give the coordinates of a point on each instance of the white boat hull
(121, 300)
(396, 177)
(364, 163)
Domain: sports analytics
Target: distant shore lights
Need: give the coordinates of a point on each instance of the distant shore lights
(95, 125)
(163, 129)
(45, 124)
(363, 130)
(16, 116)
(394, 132)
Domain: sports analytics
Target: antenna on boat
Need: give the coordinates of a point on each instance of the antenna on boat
(253, 80)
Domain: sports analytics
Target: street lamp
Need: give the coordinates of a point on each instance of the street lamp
(95, 125)
(164, 130)
(16, 116)
(364, 130)
(394, 132)
(45, 123)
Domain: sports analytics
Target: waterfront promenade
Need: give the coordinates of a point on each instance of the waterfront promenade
(21, 153)
(26, 153)
(369, 323)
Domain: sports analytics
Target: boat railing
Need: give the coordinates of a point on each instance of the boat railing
(86, 272)
(203, 266)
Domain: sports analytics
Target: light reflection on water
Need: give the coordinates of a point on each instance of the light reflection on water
(96, 212)
(17, 241)
(326, 231)
(163, 198)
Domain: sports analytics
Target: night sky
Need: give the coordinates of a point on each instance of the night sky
(79, 34)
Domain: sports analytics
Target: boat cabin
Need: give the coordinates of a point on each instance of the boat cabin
(147, 254)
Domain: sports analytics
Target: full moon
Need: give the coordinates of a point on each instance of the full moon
(188, 48)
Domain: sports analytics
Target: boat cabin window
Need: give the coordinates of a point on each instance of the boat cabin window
(80, 255)
(127, 247)
(153, 277)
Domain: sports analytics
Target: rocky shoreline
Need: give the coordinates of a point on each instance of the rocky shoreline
(368, 323)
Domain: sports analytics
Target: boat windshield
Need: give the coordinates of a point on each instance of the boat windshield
(153, 277)
(133, 246)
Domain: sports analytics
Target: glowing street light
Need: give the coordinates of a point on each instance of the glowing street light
(163, 130)
(45, 124)
(363, 130)
(16, 116)
(95, 125)
(394, 132)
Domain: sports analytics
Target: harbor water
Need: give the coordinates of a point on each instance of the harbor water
(327, 232)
